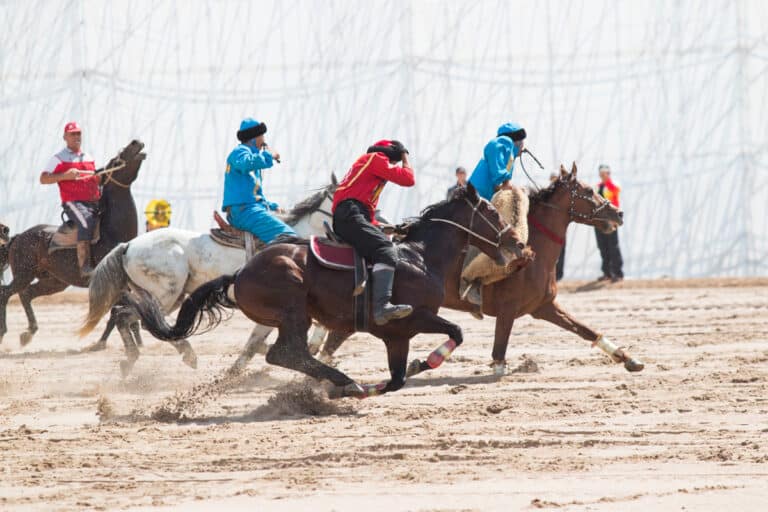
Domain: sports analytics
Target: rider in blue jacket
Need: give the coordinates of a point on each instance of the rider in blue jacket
(494, 170)
(491, 174)
(244, 201)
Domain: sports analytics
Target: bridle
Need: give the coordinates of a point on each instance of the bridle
(574, 194)
(475, 210)
(120, 164)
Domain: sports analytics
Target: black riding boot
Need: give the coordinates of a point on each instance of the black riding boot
(383, 310)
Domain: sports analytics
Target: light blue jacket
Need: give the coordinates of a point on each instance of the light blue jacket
(495, 167)
(242, 181)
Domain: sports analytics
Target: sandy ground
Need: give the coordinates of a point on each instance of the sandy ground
(578, 433)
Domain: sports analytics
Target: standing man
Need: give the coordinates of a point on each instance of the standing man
(609, 243)
(354, 204)
(244, 202)
(74, 171)
(461, 181)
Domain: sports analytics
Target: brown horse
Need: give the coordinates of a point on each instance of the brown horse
(285, 287)
(532, 291)
(28, 253)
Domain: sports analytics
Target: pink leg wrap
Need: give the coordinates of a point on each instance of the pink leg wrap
(441, 353)
(372, 389)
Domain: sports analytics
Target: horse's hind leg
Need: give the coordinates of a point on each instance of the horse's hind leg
(101, 344)
(131, 350)
(291, 351)
(256, 345)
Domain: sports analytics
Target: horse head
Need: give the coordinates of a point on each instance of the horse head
(583, 204)
(125, 166)
(486, 229)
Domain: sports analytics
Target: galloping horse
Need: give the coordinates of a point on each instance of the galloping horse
(285, 286)
(28, 253)
(170, 263)
(532, 291)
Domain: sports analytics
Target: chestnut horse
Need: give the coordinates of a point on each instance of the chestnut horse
(28, 251)
(533, 290)
(283, 286)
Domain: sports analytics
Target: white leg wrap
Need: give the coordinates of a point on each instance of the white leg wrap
(606, 345)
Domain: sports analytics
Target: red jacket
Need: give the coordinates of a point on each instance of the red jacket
(366, 179)
(610, 191)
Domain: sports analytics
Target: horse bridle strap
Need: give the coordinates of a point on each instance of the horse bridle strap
(499, 232)
(533, 221)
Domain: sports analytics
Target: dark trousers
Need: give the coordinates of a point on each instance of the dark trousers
(609, 251)
(560, 264)
(351, 222)
(84, 214)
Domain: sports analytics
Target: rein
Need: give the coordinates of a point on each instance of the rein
(109, 170)
(475, 207)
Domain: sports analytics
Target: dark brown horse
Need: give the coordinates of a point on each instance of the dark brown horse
(285, 286)
(532, 291)
(28, 254)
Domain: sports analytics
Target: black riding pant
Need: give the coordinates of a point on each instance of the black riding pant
(84, 214)
(610, 253)
(351, 222)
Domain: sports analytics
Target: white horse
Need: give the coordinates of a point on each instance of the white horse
(170, 263)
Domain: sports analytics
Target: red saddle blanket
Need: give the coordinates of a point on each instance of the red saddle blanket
(332, 254)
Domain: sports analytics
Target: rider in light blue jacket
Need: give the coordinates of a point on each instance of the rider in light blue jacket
(494, 170)
(244, 201)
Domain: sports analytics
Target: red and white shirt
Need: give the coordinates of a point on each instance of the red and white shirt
(81, 189)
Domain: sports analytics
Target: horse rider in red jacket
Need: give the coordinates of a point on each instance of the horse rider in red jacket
(354, 204)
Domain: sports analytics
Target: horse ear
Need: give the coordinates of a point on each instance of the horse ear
(471, 191)
(334, 181)
(573, 171)
(563, 172)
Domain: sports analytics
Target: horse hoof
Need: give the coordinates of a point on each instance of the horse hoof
(414, 368)
(125, 368)
(499, 368)
(634, 365)
(25, 338)
(190, 359)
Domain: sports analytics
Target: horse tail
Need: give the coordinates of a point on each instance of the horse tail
(107, 284)
(205, 305)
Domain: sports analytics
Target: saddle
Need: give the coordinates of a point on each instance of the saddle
(65, 236)
(229, 236)
(334, 253)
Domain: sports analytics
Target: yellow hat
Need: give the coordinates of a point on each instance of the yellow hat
(158, 213)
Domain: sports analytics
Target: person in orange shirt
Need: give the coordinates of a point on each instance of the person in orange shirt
(608, 244)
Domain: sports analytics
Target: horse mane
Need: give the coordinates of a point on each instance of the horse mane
(305, 207)
(543, 195)
(414, 224)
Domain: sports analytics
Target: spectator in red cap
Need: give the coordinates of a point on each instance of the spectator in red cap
(354, 204)
(74, 171)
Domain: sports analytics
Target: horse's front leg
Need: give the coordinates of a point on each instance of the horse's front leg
(552, 312)
(45, 286)
(428, 322)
